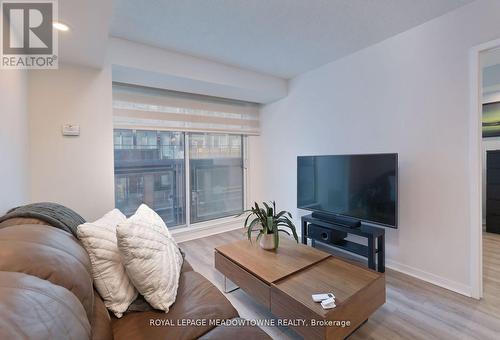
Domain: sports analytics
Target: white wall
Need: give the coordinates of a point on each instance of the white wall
(408, 94)
(73, 171)
(13, 139)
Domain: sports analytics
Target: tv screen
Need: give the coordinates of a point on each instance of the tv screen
(363, 187)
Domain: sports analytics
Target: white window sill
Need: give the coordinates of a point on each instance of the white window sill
(204, 229)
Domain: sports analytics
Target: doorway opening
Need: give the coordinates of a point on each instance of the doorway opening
(485, 168)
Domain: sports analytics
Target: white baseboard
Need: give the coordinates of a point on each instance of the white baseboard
(431, 278)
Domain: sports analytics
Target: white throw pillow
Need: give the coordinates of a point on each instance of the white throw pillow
(151, 257)
(110, 278)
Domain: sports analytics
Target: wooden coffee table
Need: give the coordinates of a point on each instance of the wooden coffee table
(284, 280)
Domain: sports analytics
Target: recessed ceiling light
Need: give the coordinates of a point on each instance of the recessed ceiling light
(60, 26)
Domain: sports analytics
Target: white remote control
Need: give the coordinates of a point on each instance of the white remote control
(321, 297)
(328, 303)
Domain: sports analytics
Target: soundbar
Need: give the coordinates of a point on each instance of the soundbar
(342, 220)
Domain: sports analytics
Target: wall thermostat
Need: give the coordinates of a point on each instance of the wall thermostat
(71, 130)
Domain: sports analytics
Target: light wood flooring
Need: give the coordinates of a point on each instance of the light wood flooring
(414, 309)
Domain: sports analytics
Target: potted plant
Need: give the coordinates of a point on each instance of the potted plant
(269, 222)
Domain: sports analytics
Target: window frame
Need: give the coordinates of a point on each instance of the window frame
(187, 180)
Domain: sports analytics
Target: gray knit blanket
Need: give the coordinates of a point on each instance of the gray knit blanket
(55, 214)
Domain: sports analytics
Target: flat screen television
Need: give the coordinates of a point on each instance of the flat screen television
(361, 187)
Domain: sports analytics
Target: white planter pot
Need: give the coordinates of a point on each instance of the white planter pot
(267, 242)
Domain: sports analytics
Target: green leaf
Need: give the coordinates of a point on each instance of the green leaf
(246, 219)
(254, 222)
(258, 212)
(287, 223)
(249, 234)
(281, 213)
(276, 240)
(284, 231)
(250, 227)
(270, 223)
(295, 236)
(243, 212)
(290, 226)
(259, 236)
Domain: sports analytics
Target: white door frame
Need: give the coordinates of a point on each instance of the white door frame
(475, 167)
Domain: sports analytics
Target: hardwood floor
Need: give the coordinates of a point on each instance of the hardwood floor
(414, 309)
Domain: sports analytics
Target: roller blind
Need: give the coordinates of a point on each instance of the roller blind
(136, 107)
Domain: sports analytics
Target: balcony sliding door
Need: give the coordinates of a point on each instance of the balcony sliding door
(216, 175)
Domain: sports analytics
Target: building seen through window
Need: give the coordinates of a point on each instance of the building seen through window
(150, 169)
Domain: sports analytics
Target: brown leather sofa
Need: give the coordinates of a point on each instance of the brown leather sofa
(46, 292)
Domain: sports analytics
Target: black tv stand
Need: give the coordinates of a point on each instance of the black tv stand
(334, 234)
(342, 220)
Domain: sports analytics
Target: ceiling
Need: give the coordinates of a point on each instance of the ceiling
(278, 37)
(86, 41)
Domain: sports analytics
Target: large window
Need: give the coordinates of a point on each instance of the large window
(180, 153)
(150, 167)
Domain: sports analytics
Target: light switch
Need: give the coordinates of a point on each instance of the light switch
(71, 130)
